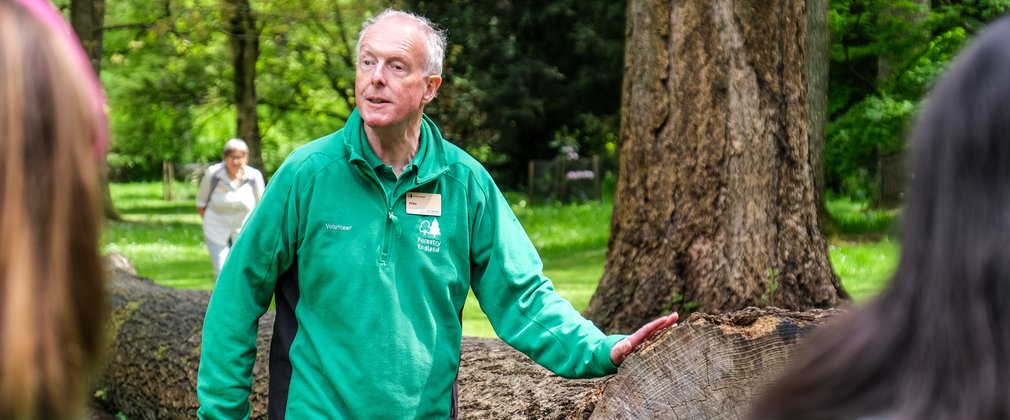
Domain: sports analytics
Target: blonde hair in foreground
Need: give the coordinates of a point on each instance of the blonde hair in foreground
(52, 293)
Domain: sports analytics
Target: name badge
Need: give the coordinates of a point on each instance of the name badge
(424, 204)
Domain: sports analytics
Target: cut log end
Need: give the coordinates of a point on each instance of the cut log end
(711, 366)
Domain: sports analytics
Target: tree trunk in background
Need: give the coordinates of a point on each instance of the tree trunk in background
(818, 48)
(88, 19)
(892, 175)
(709, 366)
(244, 39)
(714, 209)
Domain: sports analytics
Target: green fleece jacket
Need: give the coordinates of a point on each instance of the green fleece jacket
(370, 286)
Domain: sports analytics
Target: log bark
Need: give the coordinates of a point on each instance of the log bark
(498, 382)
(708, 367)
(154, 350)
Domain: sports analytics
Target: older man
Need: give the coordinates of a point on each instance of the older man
(370, 238)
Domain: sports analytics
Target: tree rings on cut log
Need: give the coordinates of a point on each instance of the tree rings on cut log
(708, 367)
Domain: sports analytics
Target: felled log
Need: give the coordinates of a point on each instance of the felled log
(498, 382)
(708, 367)
(154, 349)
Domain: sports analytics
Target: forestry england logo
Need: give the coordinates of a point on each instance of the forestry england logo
(430, 228)
(428, 240)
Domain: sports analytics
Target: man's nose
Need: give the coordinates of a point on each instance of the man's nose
(378, 75)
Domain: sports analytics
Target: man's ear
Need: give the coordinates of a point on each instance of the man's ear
(431, 88)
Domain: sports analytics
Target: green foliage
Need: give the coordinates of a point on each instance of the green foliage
(168, 76)
(517, 75)
(858, 218)
(885, 54)
(678, 304)
(872, 126)
(521, 73)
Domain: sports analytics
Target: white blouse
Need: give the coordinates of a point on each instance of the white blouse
(229, 205)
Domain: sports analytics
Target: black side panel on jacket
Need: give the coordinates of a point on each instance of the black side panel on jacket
(285, 327)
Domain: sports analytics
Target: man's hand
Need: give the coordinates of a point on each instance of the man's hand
(624, 347)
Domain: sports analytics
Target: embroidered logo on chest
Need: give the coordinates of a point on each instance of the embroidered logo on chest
(430, 234)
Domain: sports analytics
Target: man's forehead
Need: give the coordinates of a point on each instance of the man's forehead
(390, 32)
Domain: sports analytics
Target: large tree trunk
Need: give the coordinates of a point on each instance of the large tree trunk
(714, 209)
(88, 19)
(244, 39)
(707, 367)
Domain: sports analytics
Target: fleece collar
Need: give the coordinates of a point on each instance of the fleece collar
(431, 161)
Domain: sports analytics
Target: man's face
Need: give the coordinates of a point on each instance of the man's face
(390, 87)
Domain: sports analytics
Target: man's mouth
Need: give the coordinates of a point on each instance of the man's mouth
(377, 101)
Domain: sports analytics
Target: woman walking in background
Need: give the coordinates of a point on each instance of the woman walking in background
(53, 132)
(228, 193)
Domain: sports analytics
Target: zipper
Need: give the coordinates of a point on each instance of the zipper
(391, 200)
(390, 217)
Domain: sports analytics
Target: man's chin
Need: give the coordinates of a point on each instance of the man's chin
(375, 122)
(378, 119)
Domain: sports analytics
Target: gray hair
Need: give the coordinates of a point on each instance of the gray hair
(235, 145)
(435, 38)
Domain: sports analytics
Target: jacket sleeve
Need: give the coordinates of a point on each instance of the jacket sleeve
(243, 292)
(521, 303)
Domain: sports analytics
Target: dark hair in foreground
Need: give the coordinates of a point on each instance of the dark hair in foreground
(52, 294)
(936, 342)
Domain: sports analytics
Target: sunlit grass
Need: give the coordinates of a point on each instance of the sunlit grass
(864, 253)
(572, 241)
(164, 241)
(865, 268)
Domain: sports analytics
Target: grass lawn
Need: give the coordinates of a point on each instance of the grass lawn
(164, 241)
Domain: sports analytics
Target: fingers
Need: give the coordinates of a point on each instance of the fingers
(621, 351)
(651, 328)
(624, 347)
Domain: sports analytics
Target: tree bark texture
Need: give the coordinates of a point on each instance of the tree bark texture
(714, 209)
(87, 17)
(243, 36)
(154, 351)
(708, 367)
(498, 382)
